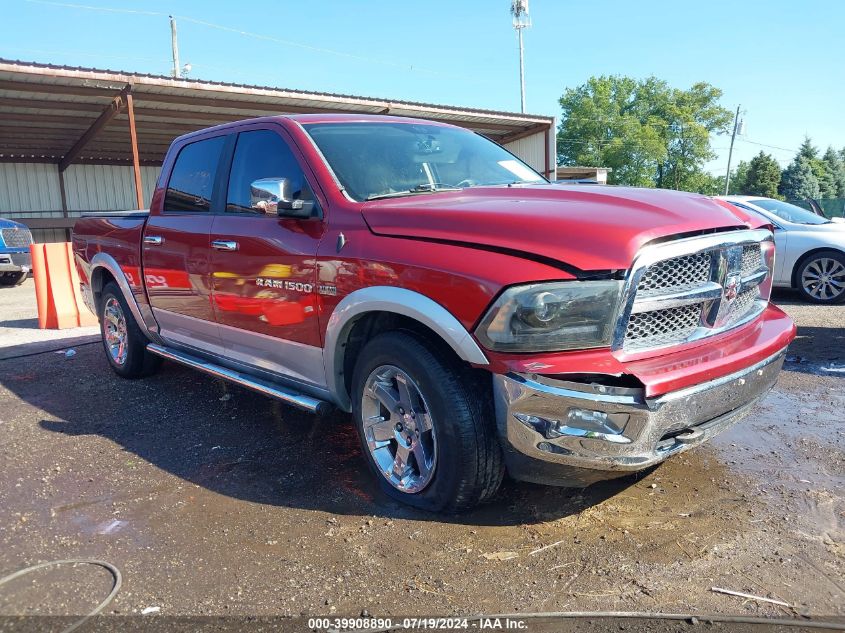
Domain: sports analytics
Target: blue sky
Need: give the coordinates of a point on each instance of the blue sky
(783, 61)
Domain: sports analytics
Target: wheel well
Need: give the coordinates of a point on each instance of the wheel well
(806, 256)
(371, 324)
(99, 278)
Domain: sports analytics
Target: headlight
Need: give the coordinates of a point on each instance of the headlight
(551, 317)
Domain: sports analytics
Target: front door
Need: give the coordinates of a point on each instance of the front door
(176, 249)
(263, 266)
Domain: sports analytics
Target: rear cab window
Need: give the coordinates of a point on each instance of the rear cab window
(192, 179)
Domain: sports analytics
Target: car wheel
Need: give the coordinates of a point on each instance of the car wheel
(12, 279)
(426, 424)
(821, 277)
(123, 341)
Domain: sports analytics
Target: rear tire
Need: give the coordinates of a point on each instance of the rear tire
(124, 343)
(820, 278)
(12, 279)
(449, 424)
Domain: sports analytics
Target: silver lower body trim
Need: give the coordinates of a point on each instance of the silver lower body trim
(544, 421)
(289, 396)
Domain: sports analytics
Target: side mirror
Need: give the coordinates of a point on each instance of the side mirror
(273, 196)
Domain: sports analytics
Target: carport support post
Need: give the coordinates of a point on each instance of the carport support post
(136, 161)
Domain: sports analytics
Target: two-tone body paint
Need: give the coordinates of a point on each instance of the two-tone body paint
(458, 249)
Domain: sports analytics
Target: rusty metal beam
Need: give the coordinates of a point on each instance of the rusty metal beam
(136, 161)
(30, 157)
(28, 86)
(103, 120)
(515, 136)
(62, 192)
(50, 104)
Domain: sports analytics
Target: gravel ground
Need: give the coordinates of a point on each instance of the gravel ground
(213, 500)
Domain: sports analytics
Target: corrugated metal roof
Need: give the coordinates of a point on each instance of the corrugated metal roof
(122, 77)
(46, 108)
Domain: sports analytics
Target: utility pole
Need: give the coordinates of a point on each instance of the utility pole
(521, 20)
(731, 151)
(174, 44)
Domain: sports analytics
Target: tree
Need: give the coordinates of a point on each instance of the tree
(835, 166)
(739, 177)
(649, 133)
(808, 150)
(763, 177)
(822, 172)
(798, 182)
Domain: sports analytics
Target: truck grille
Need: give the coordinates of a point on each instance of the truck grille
(711, 285)
(16, 237)
(676, 273)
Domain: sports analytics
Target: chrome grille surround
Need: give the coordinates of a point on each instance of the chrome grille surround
(16, 237)
(681, 291)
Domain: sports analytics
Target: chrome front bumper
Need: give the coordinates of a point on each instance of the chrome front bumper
(15, 262)
(566, 433)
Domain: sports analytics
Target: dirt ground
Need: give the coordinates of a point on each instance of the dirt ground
(213, 500)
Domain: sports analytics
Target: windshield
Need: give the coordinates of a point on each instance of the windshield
(788, 212)
(375, 160)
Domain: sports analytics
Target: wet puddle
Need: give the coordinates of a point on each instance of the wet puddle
(789, 429)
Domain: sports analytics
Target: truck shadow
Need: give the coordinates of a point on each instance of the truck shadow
(245, 446)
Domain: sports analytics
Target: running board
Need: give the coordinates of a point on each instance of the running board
(288, 396)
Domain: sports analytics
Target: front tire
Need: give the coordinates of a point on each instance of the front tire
(123, 341)
(12, 279)
(821, 277)
(425, 423)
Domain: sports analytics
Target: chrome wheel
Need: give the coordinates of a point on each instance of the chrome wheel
(114, 331)
(398, 429)
(824, 278)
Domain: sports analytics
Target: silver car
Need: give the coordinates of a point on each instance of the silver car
(809, 249)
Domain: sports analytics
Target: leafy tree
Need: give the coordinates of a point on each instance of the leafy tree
(650, 133)
(798, 182)
(708, 184)
(835, 167)
(763, 177)
(739, 177)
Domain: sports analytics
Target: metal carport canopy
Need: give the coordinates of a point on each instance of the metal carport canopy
(64, 115)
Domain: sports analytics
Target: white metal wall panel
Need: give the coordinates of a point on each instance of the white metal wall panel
(531, 149)
(29, 187)
(106, 187)
(43, 236)
(35, 187)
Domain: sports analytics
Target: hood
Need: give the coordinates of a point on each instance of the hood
(585, 227)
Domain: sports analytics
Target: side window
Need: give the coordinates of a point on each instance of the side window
(192, 178)
(262, 154)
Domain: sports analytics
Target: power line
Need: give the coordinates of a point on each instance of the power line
(783, 149)
(259, 36)
(92, 8)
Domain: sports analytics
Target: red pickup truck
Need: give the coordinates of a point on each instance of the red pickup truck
(473, 317)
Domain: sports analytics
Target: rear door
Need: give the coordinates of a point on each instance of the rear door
(264, 279)
(176, 248)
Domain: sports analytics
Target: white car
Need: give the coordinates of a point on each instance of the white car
(809, 249)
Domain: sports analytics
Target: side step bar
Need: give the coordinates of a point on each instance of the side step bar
(288, 396)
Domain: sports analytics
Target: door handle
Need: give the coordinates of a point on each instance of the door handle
(155, 240)
(224, 245)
